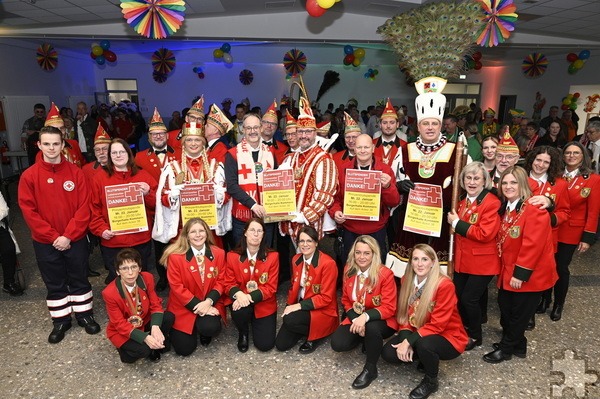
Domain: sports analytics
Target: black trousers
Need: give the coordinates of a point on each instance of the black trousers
(429, 350)
(286, 251)
(295, 326)
(516, 308)
(342, 340)
(132, 350)
(470, 289)
(65, 275)
(185, 344)
(8, 256)
(263, 329)
(159, 248)
(109, 253)
(563, 257)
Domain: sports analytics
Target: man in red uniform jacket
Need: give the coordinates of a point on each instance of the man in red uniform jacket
(270, 121)
(217, 125)
(194, 114)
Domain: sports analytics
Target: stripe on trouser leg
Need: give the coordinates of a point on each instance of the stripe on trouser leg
(82, 303)
(57, 313)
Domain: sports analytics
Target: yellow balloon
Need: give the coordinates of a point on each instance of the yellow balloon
(325, 3)
(97, 50)
(218, 53)
(356, 62)
(359, 52)
(566, 101)
(578, 64)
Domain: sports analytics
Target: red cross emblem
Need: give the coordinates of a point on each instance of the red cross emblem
(133, 193)
(371, 180)
(69, 185)
(245, 171)
(205, 193)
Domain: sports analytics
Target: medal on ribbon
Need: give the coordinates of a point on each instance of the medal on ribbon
(251, 286)
(135, 306)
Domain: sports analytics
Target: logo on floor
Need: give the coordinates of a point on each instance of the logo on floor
(575, 372)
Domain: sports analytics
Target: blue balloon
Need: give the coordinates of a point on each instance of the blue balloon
(584, 54)
(100, 60)
(348, 49)
(105, 44)
(226, 47)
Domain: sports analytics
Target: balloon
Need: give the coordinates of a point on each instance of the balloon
(359, 52)
(376, 72)
(477, 55)
(566, 101)
(313, 8)
(572, 69)
(93, 55)
(584, 54)
(564, 107)
(573, 106)
(218, 53)
(100, 60)
(110, 56)
(95, 44)
(97, 50)
(572, 57)
(576, 95)
(201, 75)
(326, 3)
(356, 62)
(478, 65)
(348, 59)
(471, 63)
(578, 64)
(367, 75)
(348, 49)
(226, 47)
(227, 58)
(105, 44)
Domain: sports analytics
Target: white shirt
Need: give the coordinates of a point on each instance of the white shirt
(357, 282)
(512, 205)
(80, 136)
(303, 276)
(199, 252)
(572, 174)
(418, 285)
(251, 258)
(595, 147)
(472, 199)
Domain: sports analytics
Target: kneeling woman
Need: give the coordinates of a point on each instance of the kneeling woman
(251, 283)
(137, 325)
(195, 269)
(430, 326)
(312, 309)
(369, 300)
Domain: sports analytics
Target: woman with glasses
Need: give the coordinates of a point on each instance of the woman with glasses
(137, 325)
(195, 269)
(579, 231)
(312, 309)
(251, 284)
(121, 169)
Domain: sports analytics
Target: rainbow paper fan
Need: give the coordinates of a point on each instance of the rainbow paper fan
(47, 57)
(500, 18)
(246, 77)
(534, 65)
(294, 62)
(155, 19)
(159, 77)
(163, 61)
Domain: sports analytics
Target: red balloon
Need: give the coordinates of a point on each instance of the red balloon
(110, 56)
(576, 95)
(478, 65)
(349, 59)
(314, 9)
(476, 55)
(93, 55)
(572, 57)
(564, 107)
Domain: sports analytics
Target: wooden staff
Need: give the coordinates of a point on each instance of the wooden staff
(459, 163)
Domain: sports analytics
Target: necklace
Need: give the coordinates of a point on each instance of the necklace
(429, 148)
(507, 227)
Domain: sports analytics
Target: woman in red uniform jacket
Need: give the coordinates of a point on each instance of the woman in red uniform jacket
(251, 283)
(121, 169)
(578, 233)
(312, 309)
(476, 223)
(369, 300)
(527, 263)
(430, 325)
(137, 325)
(195, 270)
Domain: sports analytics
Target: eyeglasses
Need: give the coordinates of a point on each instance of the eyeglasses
(131, 268)
(118, 153)
(573, 153)
(507, 157)
(269, 123)
(252, 128)
(158, 134)
(305, 132)
(255, 231)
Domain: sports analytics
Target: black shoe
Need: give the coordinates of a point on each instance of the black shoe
(154, 355)
(243, 343)
(58, 332)
(13, 289)
(427, 386)
(472, 344)
(543, 306)
(204, 340)
(91, 327)
(364, 379)
(556, 313)
(496, 356)
(308, 347)
(92, 273)
(530, 324)
(517, 352)
(161, 285)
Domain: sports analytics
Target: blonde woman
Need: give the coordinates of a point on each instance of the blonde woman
(369, 299)
(430, 325)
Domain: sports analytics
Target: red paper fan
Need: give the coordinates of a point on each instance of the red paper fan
(47, 57)
(534, 65)
(163, 61)
(159, 77)
(155, 19)
(294, 62)
(246, 77)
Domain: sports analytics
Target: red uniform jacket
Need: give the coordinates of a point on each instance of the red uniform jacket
(90, 169)
(174, 138)
(562, 204)
(217, 151)
(476, 251)
(187, 288)
(319, 293)
(443, 319)
(149, 161)
(266, 275)
(343, 160)
(584, 199)
(73, 153)
(99, 221)
(379, 154)
(390, 198)
(54, 199)
(119, 330)
(279, 150)
(527, 250)
(380, 302)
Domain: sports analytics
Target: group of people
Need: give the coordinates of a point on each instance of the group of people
(522, 225)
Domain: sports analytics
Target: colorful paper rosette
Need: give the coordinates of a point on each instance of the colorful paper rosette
(47, 57)
(163, 61)
(294, 62)
(155, 19)
(498, 22)
(159, 77)
(246, 77)
(534, 65)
